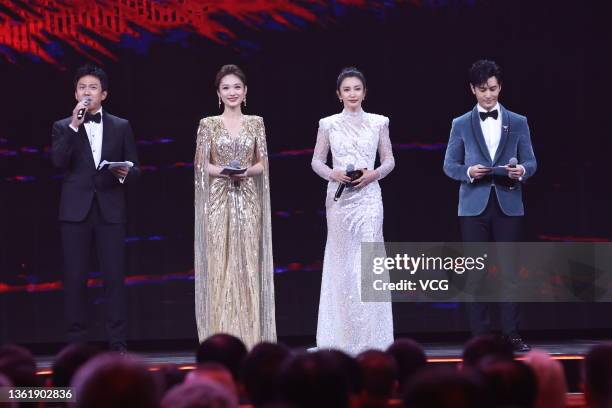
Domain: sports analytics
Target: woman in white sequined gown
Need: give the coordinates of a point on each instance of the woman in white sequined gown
(354, 137)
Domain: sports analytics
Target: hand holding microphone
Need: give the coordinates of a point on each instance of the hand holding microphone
(340, 175)
(350, 175)
(514, 172)
(78, 113)
(344, 179)
(237, 177)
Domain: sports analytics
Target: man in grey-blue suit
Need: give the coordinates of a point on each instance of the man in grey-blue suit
(490, 153)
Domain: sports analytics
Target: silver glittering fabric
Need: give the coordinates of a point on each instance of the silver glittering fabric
(345, 322)
(234, 286)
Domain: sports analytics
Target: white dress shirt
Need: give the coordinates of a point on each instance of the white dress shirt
(94, 134)
(491, 130)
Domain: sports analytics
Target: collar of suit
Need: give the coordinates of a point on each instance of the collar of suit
(477, 125)
(497, 107)
(91, 117)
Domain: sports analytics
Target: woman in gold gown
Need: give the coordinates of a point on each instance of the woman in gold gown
(234, 287)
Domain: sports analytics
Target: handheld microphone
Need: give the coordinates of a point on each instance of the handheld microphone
(512, 164)
(82, 111)
(349, 168)
(234, 164)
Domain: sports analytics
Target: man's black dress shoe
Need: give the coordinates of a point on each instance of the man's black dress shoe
(519, 345)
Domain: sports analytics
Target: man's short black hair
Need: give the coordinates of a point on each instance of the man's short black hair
(113, 380)
(445, 387)
(93, 70)
(260, 371)
(316, 379)
(409, 357)
(379, 371)
(69, 360)
(509, 383)
(487, 346)
(18, 365)
(224, 349)
(482, 70)
(597, 372)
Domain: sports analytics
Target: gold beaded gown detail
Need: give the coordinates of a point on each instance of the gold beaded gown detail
(234, 285)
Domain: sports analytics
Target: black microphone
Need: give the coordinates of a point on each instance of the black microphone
(512, 164)
(82, 111)
(234, 164)
(341, 187)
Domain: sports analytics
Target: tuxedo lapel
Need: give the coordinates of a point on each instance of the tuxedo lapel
(477, 132)
(86, 146)
(107, 135)
(504, 133)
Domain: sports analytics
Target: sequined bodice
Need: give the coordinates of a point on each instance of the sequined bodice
(226, 148)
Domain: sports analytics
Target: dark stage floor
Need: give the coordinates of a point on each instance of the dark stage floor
(436, 352)
(569, 353)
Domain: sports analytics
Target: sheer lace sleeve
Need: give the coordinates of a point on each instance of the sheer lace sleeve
(385, 150)
(321, 151)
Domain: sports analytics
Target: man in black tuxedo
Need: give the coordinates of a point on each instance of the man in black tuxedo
(92, 206)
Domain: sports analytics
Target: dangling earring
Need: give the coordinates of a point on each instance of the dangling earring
(219, 102)
(244, 101)
(340, 100)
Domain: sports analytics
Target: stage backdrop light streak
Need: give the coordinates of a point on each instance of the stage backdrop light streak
(41, 28)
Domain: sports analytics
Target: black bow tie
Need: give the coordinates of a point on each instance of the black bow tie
(485, 115)
(93, 118)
